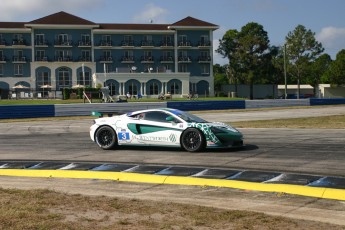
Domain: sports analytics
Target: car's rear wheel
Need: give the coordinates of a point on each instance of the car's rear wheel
(193, 140)
(106, 137)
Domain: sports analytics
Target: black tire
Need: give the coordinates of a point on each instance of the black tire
(106, 137)
(193, 140)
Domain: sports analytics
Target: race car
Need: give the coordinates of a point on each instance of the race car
(163, 127)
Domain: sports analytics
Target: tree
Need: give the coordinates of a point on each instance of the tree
(336, 72)
(317, 70)
(302, 48)
(220, 77)
(247, 52)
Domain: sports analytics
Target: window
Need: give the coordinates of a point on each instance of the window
(85, 55)
(167, 40)
(42, 78)
(107, 68)
(156, 116)
(63, 55)
(153, 88)
(106, 40)
(18, 39)
(174, 88)
(64, 78)
(85, 40)
(183, 68)
(2, 55)
(167, 56)
(18, 69)
(183, 40)
(41, 55)
(40, 39)
(84, 81)
(127, 40)
(147, 41)
(205, 69)
(204, 41)
(107, 55)
(132, 88)
(1, 69)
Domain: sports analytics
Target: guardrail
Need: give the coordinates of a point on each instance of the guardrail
(34, 111)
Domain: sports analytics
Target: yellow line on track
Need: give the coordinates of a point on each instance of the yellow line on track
(318, 192)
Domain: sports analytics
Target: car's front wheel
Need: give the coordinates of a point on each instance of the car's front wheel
(193, 140)
(106, 138)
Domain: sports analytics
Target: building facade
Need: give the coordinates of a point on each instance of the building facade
(63, 51)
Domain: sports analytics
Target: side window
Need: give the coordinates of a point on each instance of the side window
(156, 116)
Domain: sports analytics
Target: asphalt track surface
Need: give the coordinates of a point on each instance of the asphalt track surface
(306, 151)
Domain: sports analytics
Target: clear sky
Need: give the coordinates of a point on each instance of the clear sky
(326, 18)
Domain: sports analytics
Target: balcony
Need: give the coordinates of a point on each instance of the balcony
(147, 44)
(127, 44)
(85, 44)
(2, 59)
(84, 59)
(184, 44)
(204, 59)
(65, 43)
(106, 59)
(205, 44)
(20, 42)
(40, 43)
(184, 59)
(105, 43)
(63, 59)
(41, 59)
(167, 44)
(19, 59)
(127, 59)
(167, 59)
(2, 43)
(147, 59)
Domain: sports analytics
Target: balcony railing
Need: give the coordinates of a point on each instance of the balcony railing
(204, 44)
(2, 42)
(20, 42)
(127, 43)
(184, 44)
(86, 59)
(185, 59)
(105, 43)
(127, 59)
(84, 43)
(41, 43)
(147, 59)
(2, 59)
(167, 44)
(204, 59)
(106, 59)
(44, 58)
(19, 59)
(147, 43)
(65, 43)
(63, 59)
(167, 59)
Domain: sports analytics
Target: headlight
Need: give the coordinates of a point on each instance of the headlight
(216, 130)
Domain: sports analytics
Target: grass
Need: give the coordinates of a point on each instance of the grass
(44, 209)
(326, 122)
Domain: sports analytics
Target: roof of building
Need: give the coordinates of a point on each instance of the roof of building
(190, 21)
(63, 18)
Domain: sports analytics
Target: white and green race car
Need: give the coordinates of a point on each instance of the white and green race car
(163, 127)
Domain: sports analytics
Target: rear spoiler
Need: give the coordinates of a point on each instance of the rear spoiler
(102, 114)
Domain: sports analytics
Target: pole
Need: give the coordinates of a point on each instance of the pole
(105, 74)
(285, 71)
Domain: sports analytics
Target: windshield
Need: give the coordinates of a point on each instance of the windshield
(190, 117)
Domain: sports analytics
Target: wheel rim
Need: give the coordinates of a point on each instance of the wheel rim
(192, 140)
(105, 138)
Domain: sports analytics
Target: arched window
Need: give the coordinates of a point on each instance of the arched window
(64, 78)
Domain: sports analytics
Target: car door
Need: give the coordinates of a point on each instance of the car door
(153, 128)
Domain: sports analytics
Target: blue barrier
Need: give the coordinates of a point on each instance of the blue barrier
(330, 101)
(26, 111)
(207, 105)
